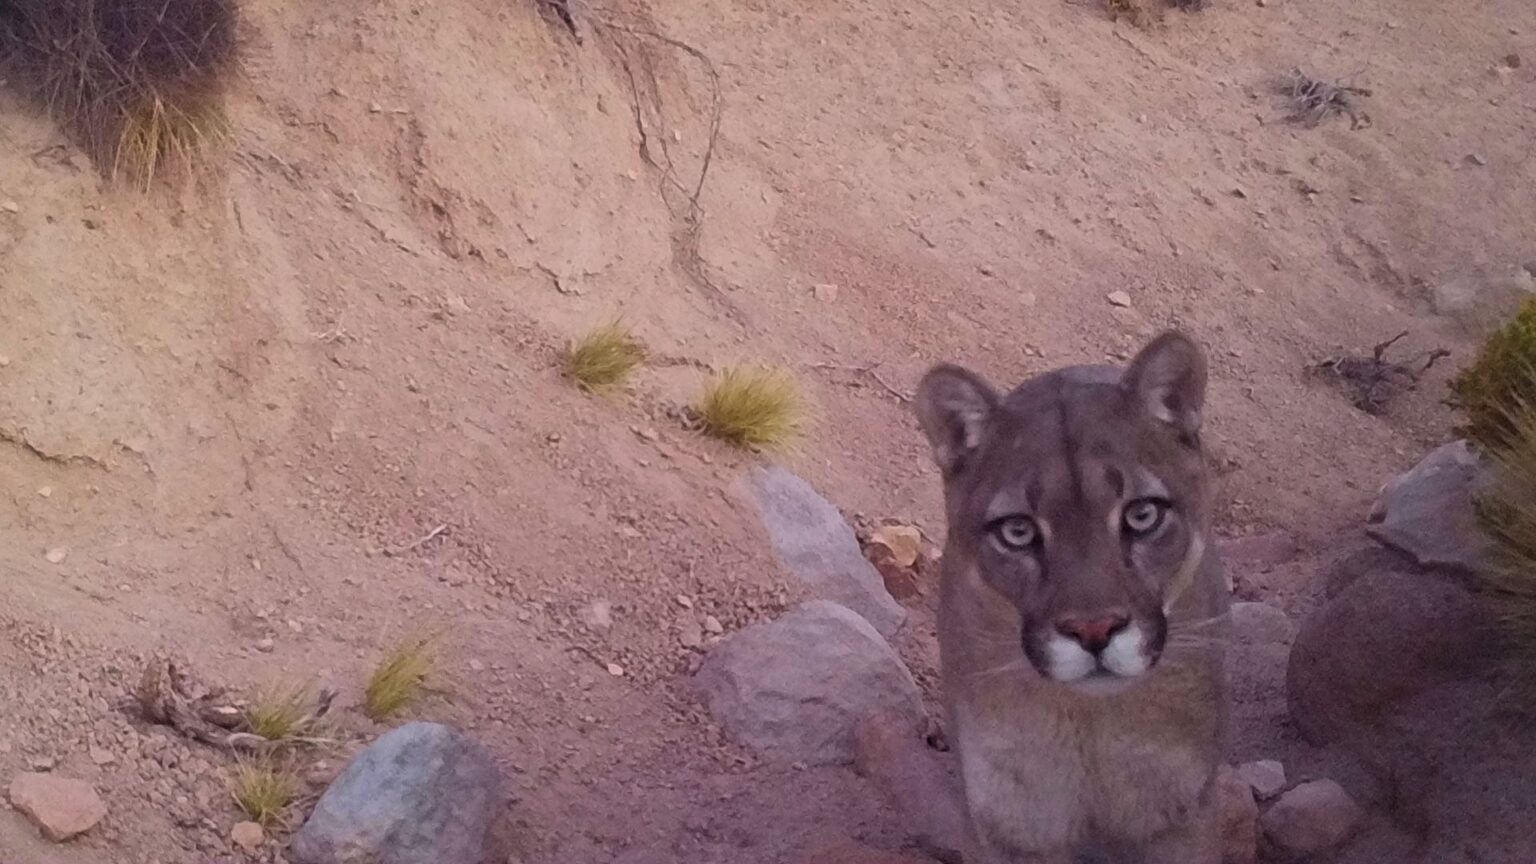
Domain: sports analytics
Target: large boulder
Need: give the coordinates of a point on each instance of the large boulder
(797, 688)
(1385, 637)
(422, 794)
(1430, 511)
(815, 543)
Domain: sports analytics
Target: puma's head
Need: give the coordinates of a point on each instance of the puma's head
(1079, 500)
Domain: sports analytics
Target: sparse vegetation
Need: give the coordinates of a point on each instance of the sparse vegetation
(754, 408)
(139, 85)
(1508, 510)
(604, 358)
(278, 713)
(264, 788)
(399, 680)
(1495, 391)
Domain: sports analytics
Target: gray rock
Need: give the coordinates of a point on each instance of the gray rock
(1385, 637)
(421, 794)
(1261, 624)
(1482, 299)
(797, 688)
(1310, 818)
(1265, 777)
(815, 543)
(61, 808)
(1429, 511)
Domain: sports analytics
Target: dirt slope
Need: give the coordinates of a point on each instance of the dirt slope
(237, 409)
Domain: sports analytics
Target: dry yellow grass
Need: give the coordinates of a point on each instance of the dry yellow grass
(264, 788)
(399, 679)
(281, 712)
(139, 85)
(1508, 509)
(604, 358)
(755, 408)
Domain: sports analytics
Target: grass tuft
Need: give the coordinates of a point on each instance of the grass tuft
(399, 680)
(1493, 390)
(1508, 511)
(604, 358)
(278, 712)
(264, 788)
(758, 409)
(140, 85)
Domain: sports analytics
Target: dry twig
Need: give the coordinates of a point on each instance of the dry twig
(167, 696)
(1312, 101)
(1375, 380)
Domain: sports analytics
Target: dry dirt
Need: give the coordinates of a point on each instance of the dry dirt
(234, 408)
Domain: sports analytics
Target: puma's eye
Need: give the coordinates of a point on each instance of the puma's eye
(1016, 533)
(1143, 515)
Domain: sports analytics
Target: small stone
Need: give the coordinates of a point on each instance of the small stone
(295, 626)
(796, 688)
(1310, 818)
(476, 666)
(645, 433)
(62, 809)
(1119, 298)
(615, 670)
(42, 763)
(4, 361)
(814, 542)
(56, 555)
(101, 756)
(1430, 512)
(265, 646)
(1265, 777)
(598, 617)
(684, 601)
(713, 626)
(690, 634)
(421, 794)
(826, 292)
(10, 206)
(1477, 159)
(46, 491)
(248, 836)
(904, 542)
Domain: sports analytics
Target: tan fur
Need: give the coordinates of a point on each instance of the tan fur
(1053, 771)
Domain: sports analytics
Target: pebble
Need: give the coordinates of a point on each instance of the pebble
(598, 616)
(265, 646)
(1265, 777)
(46, 491)
(1312, 817)
(684, 601)
(10, 206)
(826, 292)
(713, 626)
(56, 555)
(615, 670)
(101, 756)
(248, 836)
(1119, 298)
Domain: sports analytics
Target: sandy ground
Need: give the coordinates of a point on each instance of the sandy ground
(235, 408)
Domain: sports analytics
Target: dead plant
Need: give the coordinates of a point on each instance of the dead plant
(138, 83)
(1313, 100)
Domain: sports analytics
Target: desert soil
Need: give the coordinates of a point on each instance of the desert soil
(229, 412)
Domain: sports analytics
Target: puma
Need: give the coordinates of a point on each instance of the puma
(1082, 610)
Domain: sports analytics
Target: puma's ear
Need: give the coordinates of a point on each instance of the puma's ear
(1168, 376)
(955, 408)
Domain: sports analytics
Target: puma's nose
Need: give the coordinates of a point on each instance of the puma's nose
(1093, 632)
